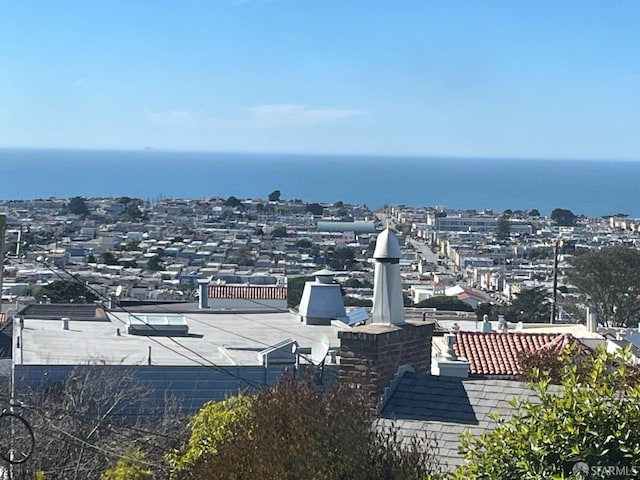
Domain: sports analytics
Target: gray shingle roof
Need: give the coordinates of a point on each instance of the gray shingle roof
(442, 408)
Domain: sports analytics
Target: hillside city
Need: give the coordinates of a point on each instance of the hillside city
(151, 313)
(158, 251)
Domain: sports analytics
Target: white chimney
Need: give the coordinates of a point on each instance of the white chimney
(388, 302)
(486, 324)
(203, 294)
(448, 364)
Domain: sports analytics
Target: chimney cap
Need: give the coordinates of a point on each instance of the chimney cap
(387, 245)
(325, 272)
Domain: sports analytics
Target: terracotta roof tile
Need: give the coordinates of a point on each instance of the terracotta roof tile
(494, 353)
(248, 292)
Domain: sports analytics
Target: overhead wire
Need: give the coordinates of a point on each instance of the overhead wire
(209, 363)
(196, 320)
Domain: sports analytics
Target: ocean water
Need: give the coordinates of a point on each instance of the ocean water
(591, 188)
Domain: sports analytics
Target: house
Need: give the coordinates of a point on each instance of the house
(496, 354)
(200, 352)
(176, 349)
(441, 408)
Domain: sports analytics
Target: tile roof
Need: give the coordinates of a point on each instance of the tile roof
(248, 292)
(442, 408)
(496, 353)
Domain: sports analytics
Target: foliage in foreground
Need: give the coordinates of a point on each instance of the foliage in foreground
(593, 417)
(209, 427)
(132, 466)
(83, 424)
(294, 431)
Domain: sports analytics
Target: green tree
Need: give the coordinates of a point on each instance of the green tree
(295, 287)
(243, 257)
(67, 291)
(357, 283)
(132, 466)
(534, 212)
(340, 258)
(315, 209)
(133, 210)
(274, 196)
(492, 310)
(78, 206)
(209, 427)
(532, 305)
(155, 264)
(233, 202)
(504, 227)
(294, 431)
(279, 231)
(304, 244)
(563, 217)
(593, 417)
(612, 278)
(351, 301)
(443, 302)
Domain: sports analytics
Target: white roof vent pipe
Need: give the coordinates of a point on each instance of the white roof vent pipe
(203, 294)
(486, 324)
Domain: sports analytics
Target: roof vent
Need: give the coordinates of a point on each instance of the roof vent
(486, 324)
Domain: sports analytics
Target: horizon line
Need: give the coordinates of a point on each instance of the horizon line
(432, 156)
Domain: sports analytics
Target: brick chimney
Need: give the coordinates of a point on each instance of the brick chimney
(371, 355)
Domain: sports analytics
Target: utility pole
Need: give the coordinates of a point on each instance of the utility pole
(555, 282)
(3, 231)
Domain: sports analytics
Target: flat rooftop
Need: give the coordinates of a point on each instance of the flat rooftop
(226, 339)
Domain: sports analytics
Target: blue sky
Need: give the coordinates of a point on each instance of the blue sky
(521, 79)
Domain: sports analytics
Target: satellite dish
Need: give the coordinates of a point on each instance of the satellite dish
(118, 290)
(319, 350)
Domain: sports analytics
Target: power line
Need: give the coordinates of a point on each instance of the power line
(209, 363)
(97, 448)
(196, 320)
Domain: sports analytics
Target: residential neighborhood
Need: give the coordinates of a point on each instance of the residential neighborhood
(200, 300)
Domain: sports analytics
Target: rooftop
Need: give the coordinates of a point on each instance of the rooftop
(442, 408)
(496, 353)
(222, 338)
